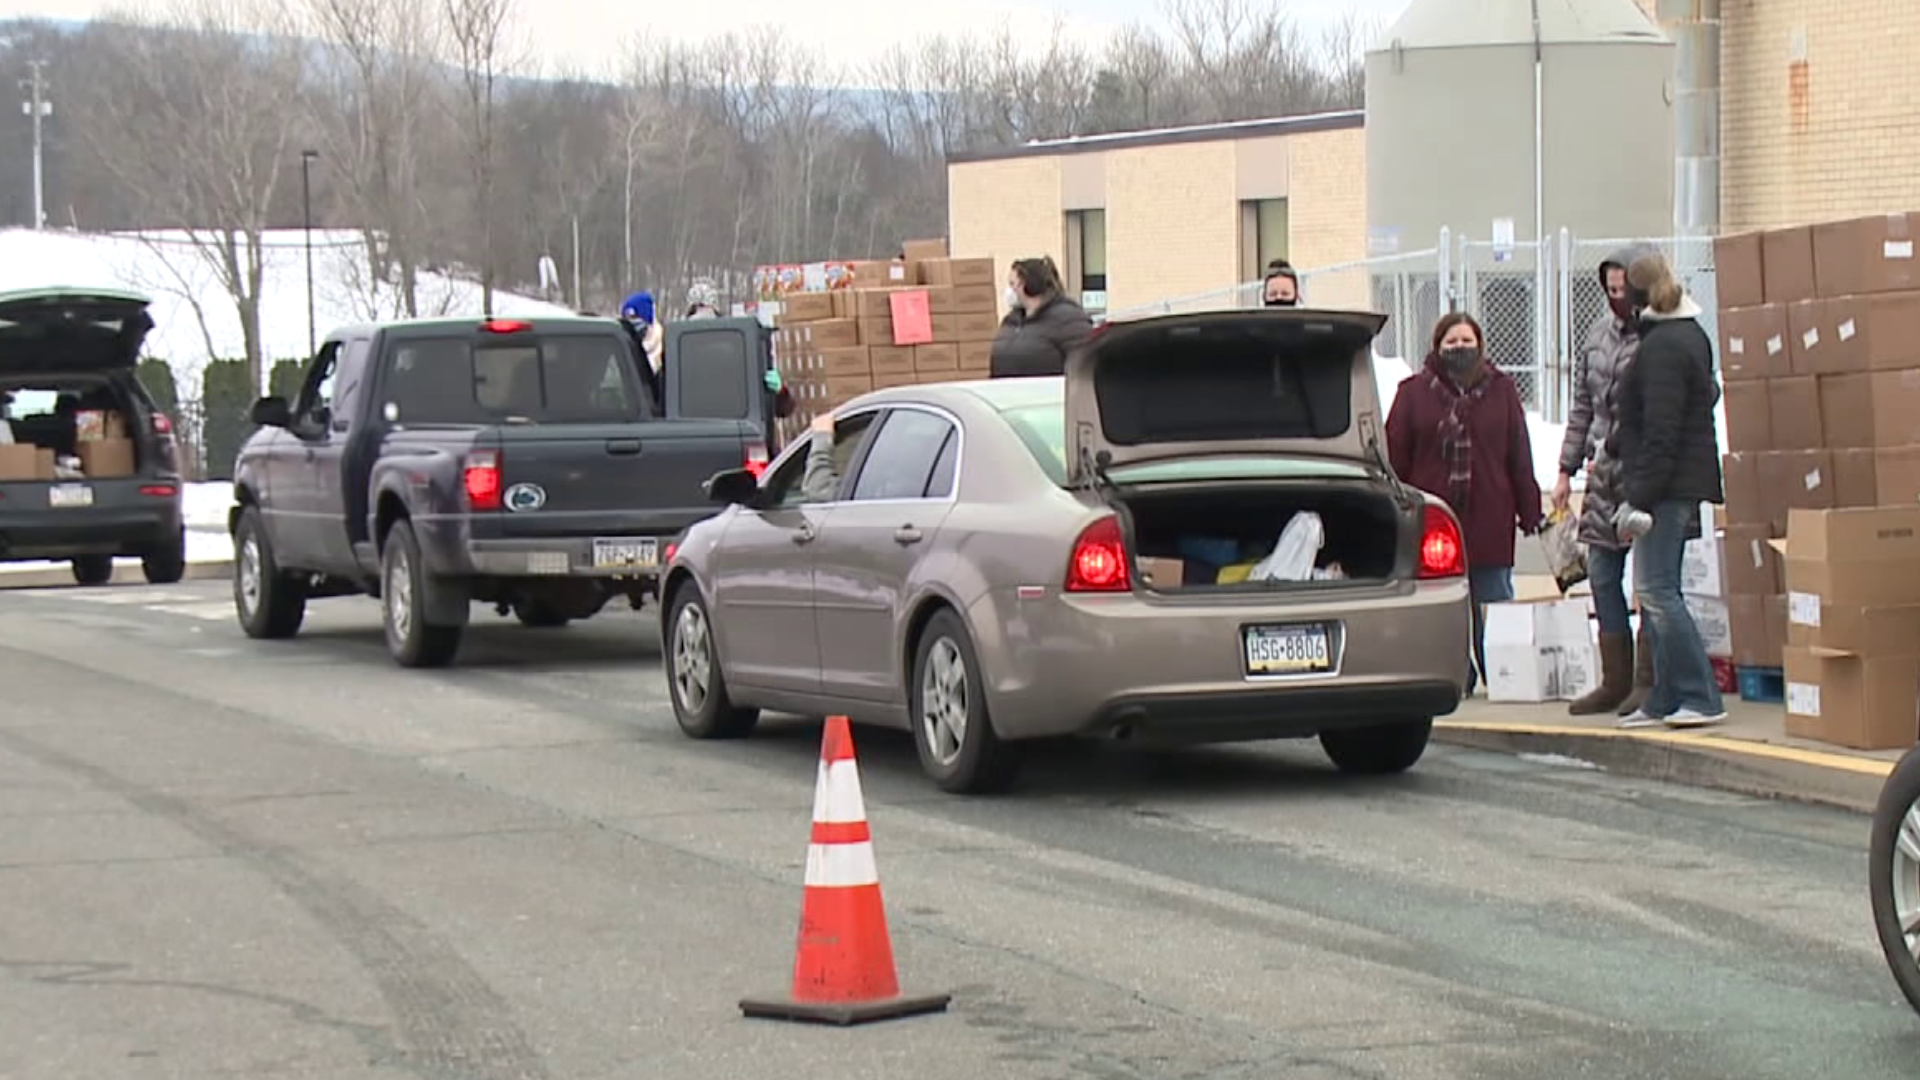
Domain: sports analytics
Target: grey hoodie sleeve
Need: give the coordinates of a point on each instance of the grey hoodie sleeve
(821, 481)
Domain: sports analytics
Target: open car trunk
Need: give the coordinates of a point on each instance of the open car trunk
(78, 427)
(1262, 537)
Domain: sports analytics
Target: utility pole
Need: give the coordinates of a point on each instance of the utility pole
(306, 208)
(39, 108)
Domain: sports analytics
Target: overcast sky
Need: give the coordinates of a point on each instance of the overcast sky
(586, 33)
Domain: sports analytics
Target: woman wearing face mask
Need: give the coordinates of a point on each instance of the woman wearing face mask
(1457, 431)
(1042, 325)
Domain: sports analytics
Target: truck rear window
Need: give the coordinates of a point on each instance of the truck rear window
(550, 380)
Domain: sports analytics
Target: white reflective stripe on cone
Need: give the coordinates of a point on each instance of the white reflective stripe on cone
(841, 866)
(836, 793)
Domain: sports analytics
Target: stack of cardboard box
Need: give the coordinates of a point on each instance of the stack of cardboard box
(923, 318)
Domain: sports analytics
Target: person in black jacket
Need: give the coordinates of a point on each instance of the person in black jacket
(1043, 326)
(1669, 454)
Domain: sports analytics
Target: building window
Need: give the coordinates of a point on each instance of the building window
(1263, 236)
(1086, 269)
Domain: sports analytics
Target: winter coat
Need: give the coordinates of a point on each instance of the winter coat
(1038, 344)
(1504, 491)
(1604, 357)
(1664, 434)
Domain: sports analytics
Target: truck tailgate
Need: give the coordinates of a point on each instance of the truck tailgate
(576, 480)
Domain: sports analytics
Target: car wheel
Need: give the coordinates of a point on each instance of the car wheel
(166, 564)
(404, 582)
(92, 569)
(959, 750)
(701, 703)
(269, 603)
(537, 614)
(1377, 751)
(1893, 874)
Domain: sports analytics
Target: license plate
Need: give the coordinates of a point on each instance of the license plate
(637, 554)
(1288, 650)
(63, 495)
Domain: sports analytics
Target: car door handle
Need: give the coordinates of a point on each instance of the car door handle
(804, 534)
(623, 446)
(906, 534)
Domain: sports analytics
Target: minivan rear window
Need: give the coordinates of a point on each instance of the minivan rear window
(1213, 384)
(543, 380)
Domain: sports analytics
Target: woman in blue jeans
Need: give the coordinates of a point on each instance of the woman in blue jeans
(1669, 455)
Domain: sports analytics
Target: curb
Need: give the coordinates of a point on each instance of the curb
(1740, 766)
(123, 574)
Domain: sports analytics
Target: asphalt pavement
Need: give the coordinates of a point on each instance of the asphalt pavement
(294, 860)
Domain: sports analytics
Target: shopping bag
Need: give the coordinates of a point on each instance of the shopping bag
(1565, 557)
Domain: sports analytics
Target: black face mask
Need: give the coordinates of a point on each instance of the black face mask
(1274, 301)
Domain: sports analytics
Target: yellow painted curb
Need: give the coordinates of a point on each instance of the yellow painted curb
(1717, 743)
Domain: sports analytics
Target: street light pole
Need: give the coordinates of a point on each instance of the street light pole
(306, 200)
(39, 108)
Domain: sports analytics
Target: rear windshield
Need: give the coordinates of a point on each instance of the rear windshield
(1232, 382)
(1042, 428)
(713, 374)
(580, 378)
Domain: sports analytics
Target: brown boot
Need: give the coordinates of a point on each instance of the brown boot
(1642, 672)
(1616, 677)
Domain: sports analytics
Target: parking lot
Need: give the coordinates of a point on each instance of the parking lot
(297, 860)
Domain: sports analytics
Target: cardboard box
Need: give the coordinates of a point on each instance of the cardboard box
(1539, 651)
(1855, 481)
(959, 272)
(1887, 336)
(1747, 627)
(826, 334)
(835, 363)
(891, 359)
(876, 331)
(1749, 409)
(973, 300)
(1866, 255)
(892, 379)
(845, 388)
(1713, 618)
(873, 303)
(1163, 573)
(976, 357)
(1896, 475)
(1753, 566)
(1846, 410)
(1808, 339)
(1863, 702)
(1853, 628)
(1858, 556)
(1787, 257)
(1753, 343)
(920, 251)
(804, 307)
(1842, 346)
(1703, 566)
(1794, 479)
(970, 326)
(1895, 418)
(25, 462)
(878, 274)
(1740, 472)
(1738, 270)
(942, 358)
(105, 459)
(1794, 413)
(937, 376)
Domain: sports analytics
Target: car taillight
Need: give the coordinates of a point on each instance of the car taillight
(756, 459)
(1099, 562)
(1443, 554)
(482, 476)
(159, 491)
(672, 550)
(506, 326)
(162, 424)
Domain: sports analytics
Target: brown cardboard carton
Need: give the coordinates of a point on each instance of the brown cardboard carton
(1747, 618)
(1866, 255)
(1163, 573)
(974, 300)
(1887, 328)
(876, 274)
(1741, 473)
(1787, 256)
(1858, 556)
(1846, 410)
(1861, 629)
(1738, 271)
(1753, 343)
(827, 334)
(876, 331)
(1794, 408)
(836, 363)
(976, 325)
(891, 360)
(18, 462)
(1896, 475)
(1855, 481)
(920, 251)
(105, 459)
(1842, 348)
(1749, 416)
(845, 388)
(959, 272)
(843, 303)
(1794, 479)
(1753, 565)
(976, 357)
(945, 330)
(1863, 702)
(803, 307)
(942, 358)
(1808, 341)
(873, 303)
(1895, 418)
(892, 379)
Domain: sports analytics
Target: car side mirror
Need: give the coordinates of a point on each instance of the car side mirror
(272, 411)
(734, 487)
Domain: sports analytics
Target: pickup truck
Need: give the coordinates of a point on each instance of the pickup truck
(521, 463)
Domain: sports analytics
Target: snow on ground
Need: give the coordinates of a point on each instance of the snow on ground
(194, 317)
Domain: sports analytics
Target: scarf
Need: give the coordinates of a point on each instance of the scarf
(1456, 431)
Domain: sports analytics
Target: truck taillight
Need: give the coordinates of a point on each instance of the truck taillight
(756, 459)
(1099, 561)
(162, 424)
(1443, 552)
(482, 477)
(506, 326)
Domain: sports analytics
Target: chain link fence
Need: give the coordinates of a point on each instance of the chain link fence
(1535, 301)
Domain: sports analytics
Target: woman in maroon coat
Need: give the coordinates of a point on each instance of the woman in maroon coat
(1457, 431)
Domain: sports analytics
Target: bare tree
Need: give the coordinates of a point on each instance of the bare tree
(483, 41)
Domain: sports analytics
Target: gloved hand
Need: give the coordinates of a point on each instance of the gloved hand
(774, 381)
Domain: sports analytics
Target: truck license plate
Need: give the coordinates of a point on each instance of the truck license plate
(65, 495)
(1297, 649)
(638, 554)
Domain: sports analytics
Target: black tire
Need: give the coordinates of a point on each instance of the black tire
(1378, 751)
(166, 564)
(270, 603)
(977, 761)
(404, 585)
(92, 569)
(701, 705)
(1890, 814)
(539, 615)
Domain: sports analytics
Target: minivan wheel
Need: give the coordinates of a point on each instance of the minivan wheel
(1379, 750)
(412, 641)
(270, 603)
(1893, 873)
(959, 750)
(92, 569)
(166, 564)
(701, 704)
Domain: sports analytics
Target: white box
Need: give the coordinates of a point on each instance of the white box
(1716, 629)
(1539, 651)
(1703, 566)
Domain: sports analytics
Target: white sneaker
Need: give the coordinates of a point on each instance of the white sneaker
(1639, 718)
(1694, 718)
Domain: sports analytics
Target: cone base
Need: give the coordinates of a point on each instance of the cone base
(844, 1014)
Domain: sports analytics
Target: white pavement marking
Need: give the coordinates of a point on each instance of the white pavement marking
(192, 605)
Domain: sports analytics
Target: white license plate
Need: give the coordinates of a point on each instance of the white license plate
(1305, 649)
(637, 554)
(63, 495)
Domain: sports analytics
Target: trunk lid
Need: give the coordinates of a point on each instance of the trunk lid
(62, 329)
(1222, 385)
(614, 479)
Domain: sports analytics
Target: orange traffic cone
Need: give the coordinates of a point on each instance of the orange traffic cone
(843, 967)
